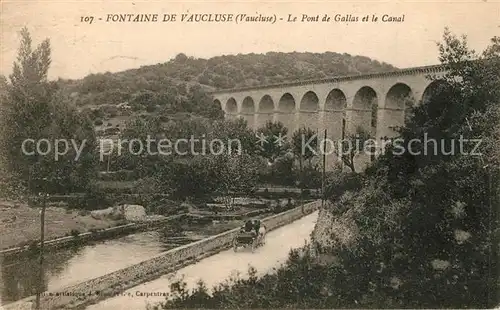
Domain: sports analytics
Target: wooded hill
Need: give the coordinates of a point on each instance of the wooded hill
(180, 84)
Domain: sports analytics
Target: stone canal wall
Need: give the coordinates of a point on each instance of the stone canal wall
(80, 295)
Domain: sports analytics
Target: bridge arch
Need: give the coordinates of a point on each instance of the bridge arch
(398, 101)
(308, 114)
(286, 112)
(248, 111)
(309, 102)
(364, 110)
(217, 102)
(334, 118)
(266, 104)
(232, 108)
(399, 97)
(433, 89)
(336, 100)
(286, 103)
(248, 105)
(265, 111)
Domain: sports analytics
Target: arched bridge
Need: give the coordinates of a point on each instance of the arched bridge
(374, 101)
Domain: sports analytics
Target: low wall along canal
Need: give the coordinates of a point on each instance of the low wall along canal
(97, 289)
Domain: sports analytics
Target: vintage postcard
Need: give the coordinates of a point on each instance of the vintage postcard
(249, 154)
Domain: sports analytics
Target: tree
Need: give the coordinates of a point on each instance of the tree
(353, 145)
(237, 131)
(204, 104)
(238, 175)
(181, 58)
(300, 138)
(144, 161)
(272, 140)
(35, 108)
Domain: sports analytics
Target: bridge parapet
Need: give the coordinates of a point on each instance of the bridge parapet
(400, 72)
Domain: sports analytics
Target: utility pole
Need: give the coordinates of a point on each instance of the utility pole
(109, 159)
(323, 173)
(341, 146)
(42, 241)
(492, 216)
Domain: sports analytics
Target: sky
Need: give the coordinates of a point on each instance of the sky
(79, 48)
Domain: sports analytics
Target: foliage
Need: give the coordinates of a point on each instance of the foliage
(34, 108)
(340, 182)
(302, 138)
(423, 227)
(273, 144)
(299, 139)
(353, 145)
(180, 85)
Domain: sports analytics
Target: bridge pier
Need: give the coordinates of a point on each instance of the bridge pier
(309, 119)
(388, 118)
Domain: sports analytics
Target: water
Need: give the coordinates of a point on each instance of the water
(19, 277)
(217, 268)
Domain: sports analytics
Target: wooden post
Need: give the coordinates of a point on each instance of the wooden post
(42, 240)
(109, 159)
(324, 172)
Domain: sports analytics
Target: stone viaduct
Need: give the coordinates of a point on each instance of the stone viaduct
(374, 101)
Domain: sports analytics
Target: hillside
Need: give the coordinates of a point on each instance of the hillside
(180, 84)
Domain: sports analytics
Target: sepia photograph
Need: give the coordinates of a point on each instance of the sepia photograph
(249, 154)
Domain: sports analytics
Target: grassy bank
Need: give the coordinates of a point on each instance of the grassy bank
(20, 224)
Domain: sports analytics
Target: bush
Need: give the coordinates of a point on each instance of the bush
(305, 193)
(120, 175)
(94, 199)
(33, 246)
(311, 178)
(83, 212)
(338, 184)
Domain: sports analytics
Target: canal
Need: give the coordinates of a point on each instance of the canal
(19, 276)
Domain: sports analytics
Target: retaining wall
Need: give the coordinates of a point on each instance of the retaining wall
(80, 295)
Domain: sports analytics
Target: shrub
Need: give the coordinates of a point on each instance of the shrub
(33, 245)
(75, 233)
(305, 193)
(337, 184)
(83, 212)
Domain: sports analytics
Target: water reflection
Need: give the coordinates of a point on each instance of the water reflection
(19, 276)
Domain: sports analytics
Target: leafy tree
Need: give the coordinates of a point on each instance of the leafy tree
(198, 177)
(353, 145)
(203, 103)
(34, 108)
(139, 133)
(181, 58)
(237, 131)
(300, 138)
(238, 175)
(272, 140)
